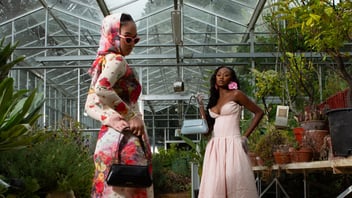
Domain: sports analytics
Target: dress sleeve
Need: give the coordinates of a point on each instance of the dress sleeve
(135, 109)
(97, 110)
(102, 100)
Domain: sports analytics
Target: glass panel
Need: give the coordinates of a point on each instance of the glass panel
(133, 7)
(10, 9)
(211, 32)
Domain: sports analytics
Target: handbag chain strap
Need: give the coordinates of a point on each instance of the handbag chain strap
(119, 145)
(189, 104)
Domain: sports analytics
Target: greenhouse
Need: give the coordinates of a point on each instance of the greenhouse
(293, 59)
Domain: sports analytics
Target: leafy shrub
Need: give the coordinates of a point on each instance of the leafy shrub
(59, 163)
(172, 170)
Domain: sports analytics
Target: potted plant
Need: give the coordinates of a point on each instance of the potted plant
(313, 118)
(315, 126)
(281, 154)
(270, 142)
(326, 26)
(302, 152)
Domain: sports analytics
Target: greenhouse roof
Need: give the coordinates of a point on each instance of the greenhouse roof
(180, 41)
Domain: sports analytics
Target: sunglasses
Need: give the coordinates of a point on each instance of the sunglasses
(130, 39)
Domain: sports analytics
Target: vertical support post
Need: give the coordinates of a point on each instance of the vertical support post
(305, 183)
(195, 179)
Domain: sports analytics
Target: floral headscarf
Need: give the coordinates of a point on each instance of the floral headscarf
(109, 42)
(110, 31)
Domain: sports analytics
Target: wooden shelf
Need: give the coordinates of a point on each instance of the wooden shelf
(337, 165)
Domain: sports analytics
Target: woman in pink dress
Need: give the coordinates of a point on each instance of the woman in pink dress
(227, 170)
(112, 99)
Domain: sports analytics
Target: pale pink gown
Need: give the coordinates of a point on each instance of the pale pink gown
(227, 170)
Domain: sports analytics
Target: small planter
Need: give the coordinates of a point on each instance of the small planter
(302, 155)
(282, 157)
(314, 124)
(260, 161)
(316, 137)
(253, 158)
(299, 133)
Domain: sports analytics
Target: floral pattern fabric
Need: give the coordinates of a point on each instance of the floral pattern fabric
(114, 92)
(106, 153)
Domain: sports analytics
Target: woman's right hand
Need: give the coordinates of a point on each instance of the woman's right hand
(117, 122)
(136, 126)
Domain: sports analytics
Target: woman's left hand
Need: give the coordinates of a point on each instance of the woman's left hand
(244, 141)
(200, 98)
(137, 126)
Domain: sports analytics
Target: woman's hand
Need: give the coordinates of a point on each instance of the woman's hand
(244, 141)
(200, 98)
(117, 122)
(136, 126)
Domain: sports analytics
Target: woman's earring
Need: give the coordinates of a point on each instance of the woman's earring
(216, 87)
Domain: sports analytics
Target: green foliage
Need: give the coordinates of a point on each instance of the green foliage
(302, 77)
(61, 162)
(324, 26)
(333, 84)
(270, 141)
(198, 151)
(19, 110)
(5, 55)
(18, 116)
(296, 80)
(267, 83)
(255, 135)
(171, 170)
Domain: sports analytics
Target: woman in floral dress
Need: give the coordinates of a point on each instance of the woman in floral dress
(112, 99)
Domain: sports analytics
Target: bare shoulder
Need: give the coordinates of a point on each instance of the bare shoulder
(238, 94)
(240, 97)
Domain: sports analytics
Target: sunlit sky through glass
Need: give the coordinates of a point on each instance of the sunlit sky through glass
(133, 7)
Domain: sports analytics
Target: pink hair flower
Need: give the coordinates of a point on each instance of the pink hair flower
(232, 85)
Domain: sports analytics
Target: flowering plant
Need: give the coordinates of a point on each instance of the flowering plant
(232, 85)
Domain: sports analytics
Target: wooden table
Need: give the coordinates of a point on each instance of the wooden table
(337, 165)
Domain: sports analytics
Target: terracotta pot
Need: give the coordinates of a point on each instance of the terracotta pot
(314, 124)
(260, 161)
(316, 137)
(253, 158)
(299, 133)
(282, 157)
(302, 155)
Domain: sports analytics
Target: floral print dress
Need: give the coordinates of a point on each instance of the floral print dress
(119, 89)
(114, 93)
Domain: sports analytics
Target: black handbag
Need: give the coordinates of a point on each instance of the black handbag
(123, 175)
